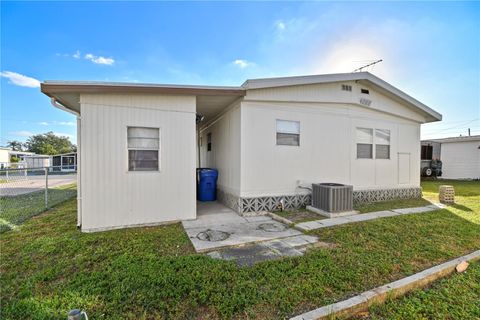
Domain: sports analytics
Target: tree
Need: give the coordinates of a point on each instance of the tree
(49, 143)
(15, 145)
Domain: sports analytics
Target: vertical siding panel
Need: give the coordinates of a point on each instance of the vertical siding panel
(115, 197)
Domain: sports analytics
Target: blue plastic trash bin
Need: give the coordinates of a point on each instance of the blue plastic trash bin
(207, 184)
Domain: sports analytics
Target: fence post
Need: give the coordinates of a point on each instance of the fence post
(46, 187)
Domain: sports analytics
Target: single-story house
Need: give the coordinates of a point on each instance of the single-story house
(460, 156)
(139, 144)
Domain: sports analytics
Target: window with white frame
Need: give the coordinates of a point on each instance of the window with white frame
(143, 148)
(382, 144)
(366, 140)
(364, 143)
(288, 133)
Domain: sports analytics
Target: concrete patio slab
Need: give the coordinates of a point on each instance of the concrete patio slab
(250, 254)
(301, 240)
(258, 218)
(214, 219)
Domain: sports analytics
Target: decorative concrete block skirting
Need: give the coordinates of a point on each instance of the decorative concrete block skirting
(271, 203)
(252, 205)
(376, 195)
(362, 302)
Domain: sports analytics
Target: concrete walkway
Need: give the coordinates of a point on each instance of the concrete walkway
(350, 307)
(217, 227)
(325, 223)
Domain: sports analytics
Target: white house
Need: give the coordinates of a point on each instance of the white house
(139, 144)
(460, 156)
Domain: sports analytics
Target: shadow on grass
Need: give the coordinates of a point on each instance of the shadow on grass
(460, 207)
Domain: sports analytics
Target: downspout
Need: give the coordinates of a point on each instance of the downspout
(198, 118)
(56, 104)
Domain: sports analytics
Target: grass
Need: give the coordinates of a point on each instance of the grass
(16, 210)
(48, 267)
(456, 297)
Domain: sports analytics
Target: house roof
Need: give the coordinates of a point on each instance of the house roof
(67, 92)
(209, 98)
(456, 139)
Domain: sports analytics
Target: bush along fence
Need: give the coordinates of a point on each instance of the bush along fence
(25, 193)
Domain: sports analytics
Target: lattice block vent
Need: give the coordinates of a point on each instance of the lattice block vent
(446, 194)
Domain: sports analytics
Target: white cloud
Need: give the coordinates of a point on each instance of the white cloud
(22, 133)
(58, 123)
(243, 63)
(89, 56)
(65, 123)
(20, 79)
(280, 25)
(61, 134)
(99, 59)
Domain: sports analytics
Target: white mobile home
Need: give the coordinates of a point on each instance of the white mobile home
(460, 156)
(139, 144)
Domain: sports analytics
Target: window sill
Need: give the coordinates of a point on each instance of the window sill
(143, 172)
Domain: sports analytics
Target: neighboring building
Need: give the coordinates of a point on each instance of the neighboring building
(6, 155)
(66, 162)
(37, 161)
(460, 156)
(269, 139)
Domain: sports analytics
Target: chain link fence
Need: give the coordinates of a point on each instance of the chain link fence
(25, 193)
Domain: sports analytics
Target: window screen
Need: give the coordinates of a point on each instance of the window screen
(288, 133)
(382, 144)
(427, 152)
(143, 148)
(364, 143)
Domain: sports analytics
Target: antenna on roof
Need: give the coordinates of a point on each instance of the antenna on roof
(368, 65)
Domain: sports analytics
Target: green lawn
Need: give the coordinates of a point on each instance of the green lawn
(48, 266)
(456, 297)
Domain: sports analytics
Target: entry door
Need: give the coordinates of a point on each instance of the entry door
(403, 168)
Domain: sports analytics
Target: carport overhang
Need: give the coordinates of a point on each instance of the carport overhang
(210, 100)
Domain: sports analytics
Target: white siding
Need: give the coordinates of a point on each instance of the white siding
(461, 160)
(327, 151)
(331, 92)
(111, 195)
(225, 153)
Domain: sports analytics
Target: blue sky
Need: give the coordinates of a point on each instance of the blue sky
(430, 50)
